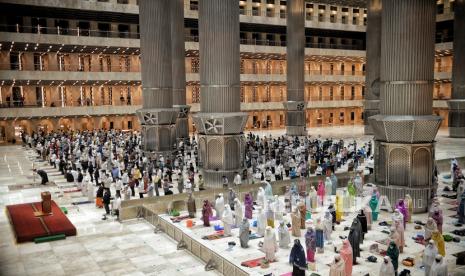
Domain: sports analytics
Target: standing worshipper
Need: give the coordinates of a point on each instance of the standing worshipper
(219, 206)
(439, 267)
(231, 198)
(207, 212)
(248, 203)
(261, 221)
(374, 207)
(238, 212)
(321, 192)
(99, 197)
(409, 204)
(347, 256)
(310, 244)
(283, 235)
(319, 239)
(355, 240)
(327, 225)
(297, 259)
(313, 197)
(328, 187)
(244, 232)
(303, 213)
(429, 254)
(106, 201)
(334, 183)
(337, 267)
(269, 245)
(227, 219)
(461, 208)
(386, 268)
(430, 227)
(439, 240)
(438, 218)
(393, 253)
(403, 209)
(295, 220)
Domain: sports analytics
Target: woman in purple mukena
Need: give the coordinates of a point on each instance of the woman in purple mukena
(403, 209)
(248, 203)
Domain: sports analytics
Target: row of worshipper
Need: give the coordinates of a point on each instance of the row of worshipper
(287, 157)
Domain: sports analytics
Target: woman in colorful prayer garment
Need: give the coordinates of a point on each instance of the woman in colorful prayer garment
(320, 245)
(374, 207)
(297, 259)
(347, 256)
(310, 244)
(409, 204)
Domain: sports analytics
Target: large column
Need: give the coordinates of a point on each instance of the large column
(157, 116)
(179, 68)
(373, 54)
(295, 50)
(405, 129)
(457, 102)
(220, 122)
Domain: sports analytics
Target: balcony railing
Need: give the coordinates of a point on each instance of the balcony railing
(68, 103)
(68, 67)
(67, 31)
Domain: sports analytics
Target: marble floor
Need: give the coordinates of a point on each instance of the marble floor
(102, 247)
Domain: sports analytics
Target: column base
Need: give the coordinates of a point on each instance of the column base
(405, 169)
(421, 197)
(158, 130)
(221, 155)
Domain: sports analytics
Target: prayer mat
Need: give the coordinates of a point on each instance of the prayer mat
(81, 202)
(452, 209)
(254, 236)
(179, 218)
(216, 236)
(72, 191)
(287, 274)
(454, 216)
(449, 196)
(253, 263)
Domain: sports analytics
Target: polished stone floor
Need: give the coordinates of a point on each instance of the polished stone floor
(100, 248)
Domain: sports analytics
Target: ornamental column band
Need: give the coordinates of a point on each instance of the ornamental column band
(457, 102)
(295, 51)
(178, 56)
(405, 129)
(157, 116)
(373, 54)
(220, 122)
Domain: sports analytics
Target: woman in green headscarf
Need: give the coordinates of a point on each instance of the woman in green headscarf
(374, 207)
(393, 253)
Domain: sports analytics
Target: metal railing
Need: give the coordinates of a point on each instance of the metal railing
(69, 67)
(67, 31)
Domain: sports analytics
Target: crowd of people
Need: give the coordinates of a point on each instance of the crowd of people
(115, 161)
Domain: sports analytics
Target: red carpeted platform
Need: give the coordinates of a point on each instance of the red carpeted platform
(27, 227)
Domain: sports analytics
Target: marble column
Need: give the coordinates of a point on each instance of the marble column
(220, 121)
(457, 102)
(405, 129)
(373, 56)
(157, 116)
(178, 55)
(295, 51)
